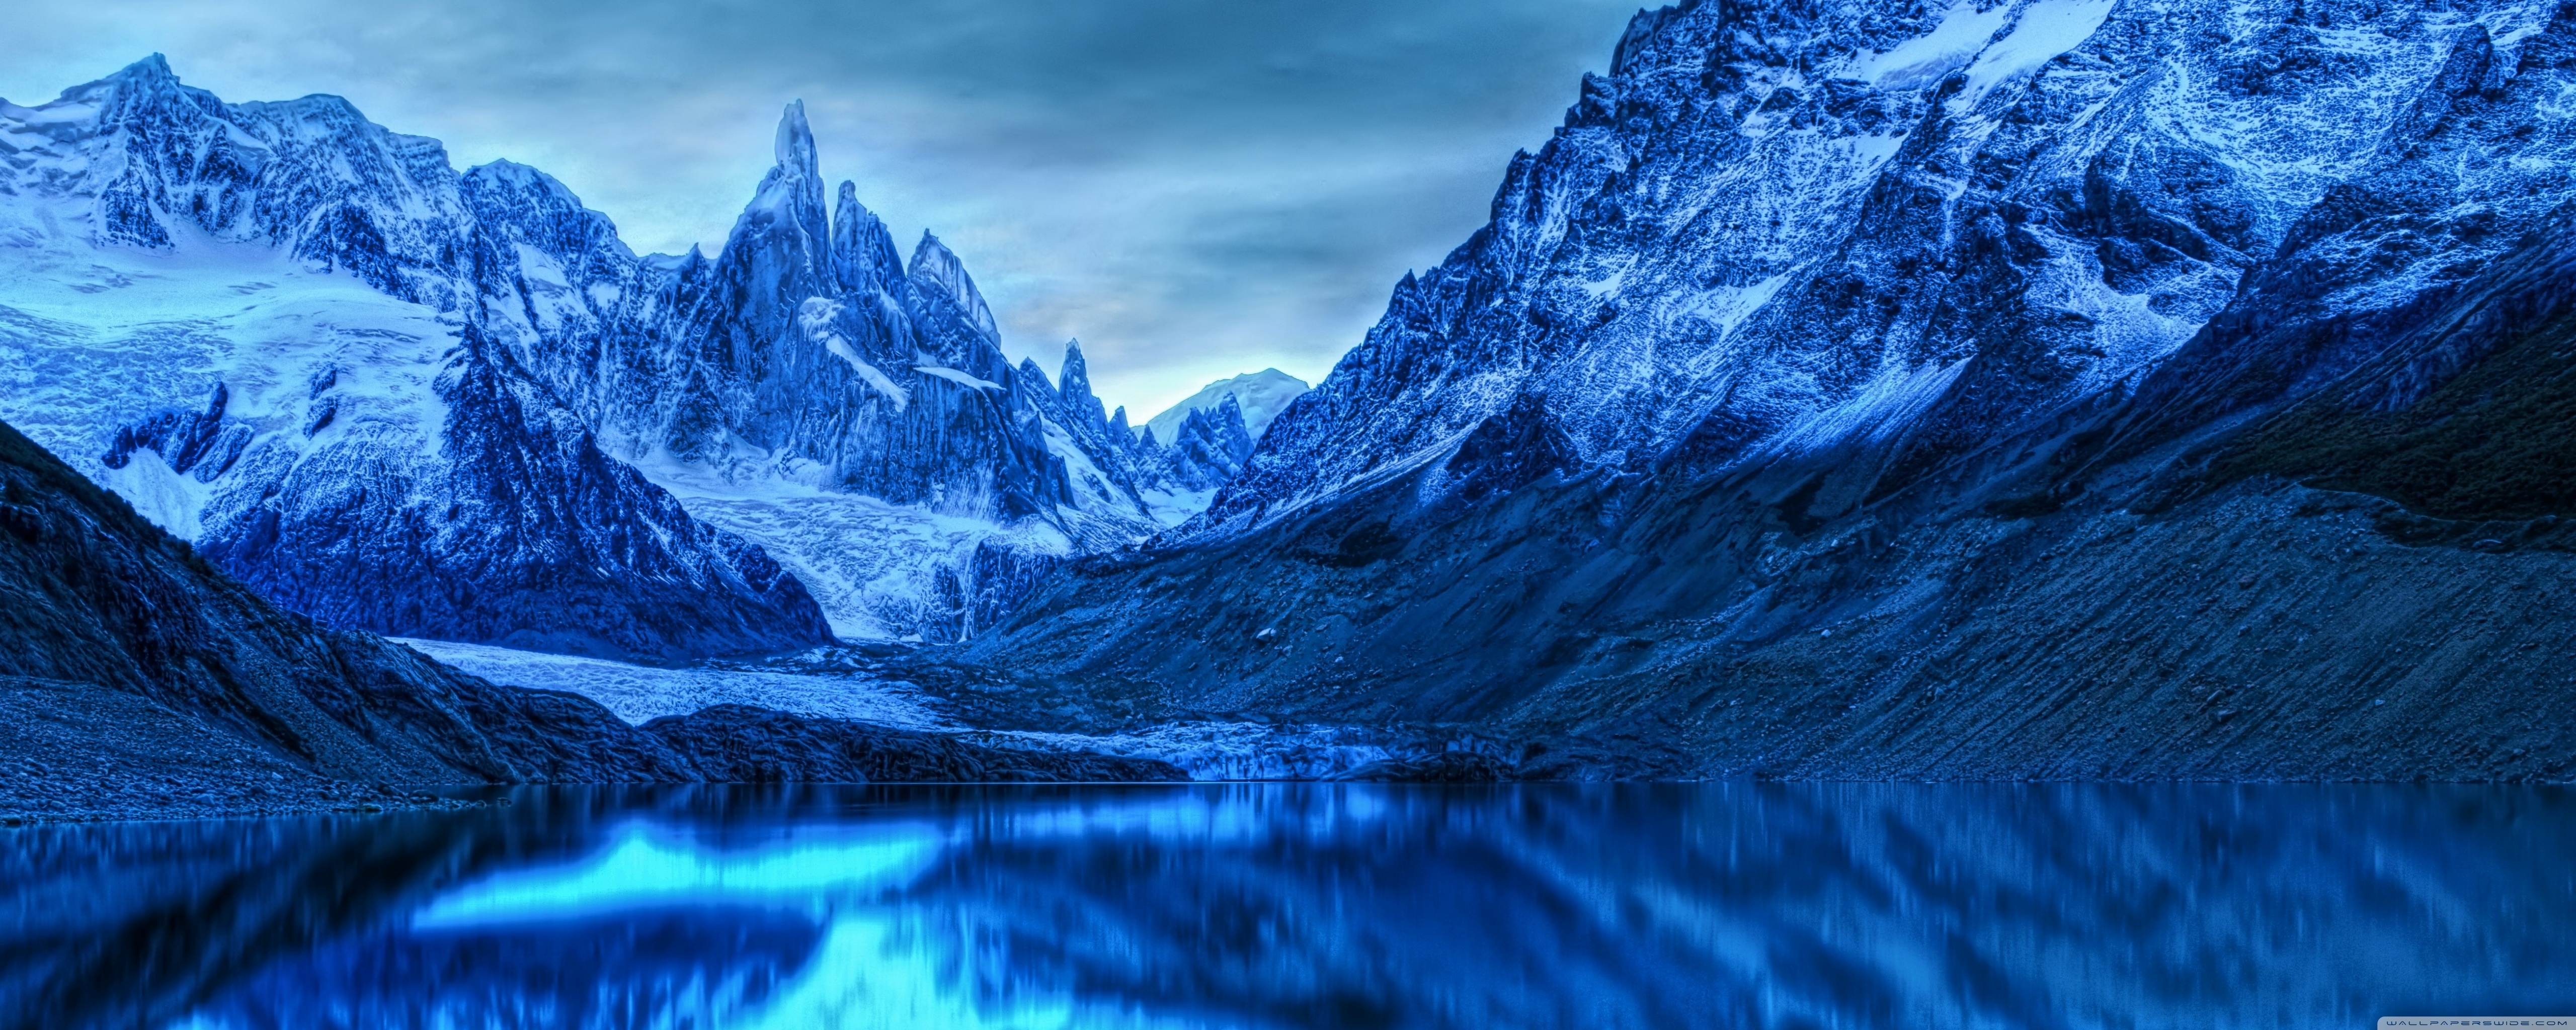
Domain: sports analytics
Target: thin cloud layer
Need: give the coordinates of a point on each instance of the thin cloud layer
(1195, 189)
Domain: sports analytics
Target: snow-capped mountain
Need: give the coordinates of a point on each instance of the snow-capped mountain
(1262, 395)
(1877, 389)
(455, 405)
(257, 322)
(1784, 233)
(814, 392)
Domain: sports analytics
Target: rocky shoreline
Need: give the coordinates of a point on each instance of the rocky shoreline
(79, 754)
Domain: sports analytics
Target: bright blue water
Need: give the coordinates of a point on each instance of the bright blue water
(1315, 906)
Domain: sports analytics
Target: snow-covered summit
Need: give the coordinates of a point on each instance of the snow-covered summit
(1261, 395)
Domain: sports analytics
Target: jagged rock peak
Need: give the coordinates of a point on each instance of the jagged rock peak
(1221, 426)
(937, 272)
(795, 182)
(1074, 383)
(1075, 378)
(863, 255)
(1208, 447)
(795, 146)
(1035, 377)
(785, 229)
(1229, 412)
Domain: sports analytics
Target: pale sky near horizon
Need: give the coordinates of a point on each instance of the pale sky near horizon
(1196, 189)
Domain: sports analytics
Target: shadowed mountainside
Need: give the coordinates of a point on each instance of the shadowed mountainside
(142, 681)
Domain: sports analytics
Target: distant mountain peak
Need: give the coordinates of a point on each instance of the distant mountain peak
(151, 68)
(1075, 373)
(1261, 395)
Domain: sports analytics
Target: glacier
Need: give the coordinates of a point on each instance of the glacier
(816, 685)
(642, 693)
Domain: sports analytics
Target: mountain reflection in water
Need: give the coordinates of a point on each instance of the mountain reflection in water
(1310, 905)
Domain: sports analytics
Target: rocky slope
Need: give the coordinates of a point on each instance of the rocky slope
(2062, 389)
(142, 681)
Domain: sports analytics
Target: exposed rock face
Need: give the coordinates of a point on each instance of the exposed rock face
(1853, 392)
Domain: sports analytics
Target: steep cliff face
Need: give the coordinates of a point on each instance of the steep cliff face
(2063, 389)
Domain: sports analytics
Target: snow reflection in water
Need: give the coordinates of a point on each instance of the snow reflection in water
(1317, 905)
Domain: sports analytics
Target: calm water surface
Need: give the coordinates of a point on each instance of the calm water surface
(1314, 906)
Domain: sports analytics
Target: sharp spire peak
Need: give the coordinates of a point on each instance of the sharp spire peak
(795, 146)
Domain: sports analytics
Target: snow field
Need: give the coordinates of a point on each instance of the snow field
(641, 693)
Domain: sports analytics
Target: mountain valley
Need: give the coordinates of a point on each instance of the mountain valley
(2057, 390)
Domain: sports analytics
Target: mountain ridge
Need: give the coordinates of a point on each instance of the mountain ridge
(1861, 393)
(805, 435)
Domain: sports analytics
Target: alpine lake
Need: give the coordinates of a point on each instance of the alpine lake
(1313, 905)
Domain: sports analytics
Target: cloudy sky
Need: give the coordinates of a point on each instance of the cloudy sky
(1195, 189)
